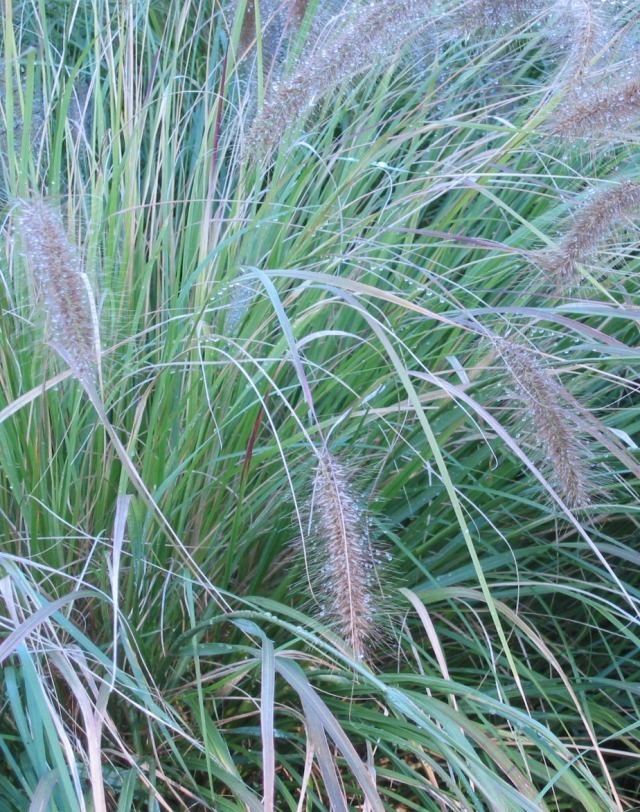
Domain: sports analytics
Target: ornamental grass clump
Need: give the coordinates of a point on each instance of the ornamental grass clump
(604, 212)
(370, 34)
(549, 422)
(347, 585)
(72, 324)
(332, 305)
(62, 286)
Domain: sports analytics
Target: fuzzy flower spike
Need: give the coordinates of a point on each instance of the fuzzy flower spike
(593, 223)
(545, 403)
(369, 34)
(62, 286)
(348, 583)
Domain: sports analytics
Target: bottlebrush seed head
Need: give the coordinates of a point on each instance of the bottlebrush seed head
(371, 33)
(591, 225)
(610, 113)
(348, 583)
(546, 405)
(479, 15)
(62, 285)
(583, 28)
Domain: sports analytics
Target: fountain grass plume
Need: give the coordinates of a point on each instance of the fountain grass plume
(608, 113)
(591, 225)
(479, 15)
(62, 286)
(583, 27)
(577, 24)
(347, 582)
(367, 35)
(550, 421)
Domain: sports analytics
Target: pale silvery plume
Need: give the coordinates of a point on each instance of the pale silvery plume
(609, 112)
(347, 582)
(583, 26)
(479, 15)
(62, 286)
(73, 331)
(549, 421)
(593, 223)
(367, 35)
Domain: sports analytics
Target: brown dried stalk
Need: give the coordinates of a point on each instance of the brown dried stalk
(271, 28)
(279, 18)
(347, 582)
(546, 404)
(591, 225)
(295, 11)
(248, 29)
(63, 287)
(371, 34)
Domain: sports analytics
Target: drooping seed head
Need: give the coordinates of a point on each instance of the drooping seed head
(550, 423)
(583, 28)
(592, 224)
(368, 35)
(487, 15)
(608, 113)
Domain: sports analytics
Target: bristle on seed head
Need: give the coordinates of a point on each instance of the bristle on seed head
(545, 403)
(369, 34)
(348, 582)
(601, 215)
(62, 285)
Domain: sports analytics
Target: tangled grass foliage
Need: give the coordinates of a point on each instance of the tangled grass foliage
(327, 496)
